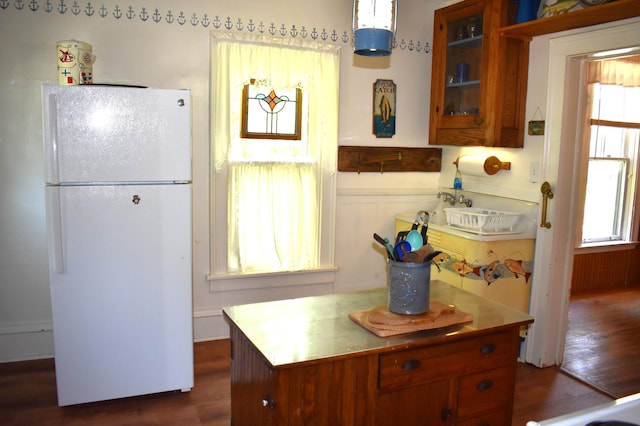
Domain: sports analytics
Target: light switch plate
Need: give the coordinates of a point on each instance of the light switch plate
(534, 172)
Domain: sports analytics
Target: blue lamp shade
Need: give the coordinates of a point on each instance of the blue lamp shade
(374, 25)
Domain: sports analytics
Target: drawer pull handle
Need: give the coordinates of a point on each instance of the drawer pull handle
(487, 349)
(269, 401)
(484, 385)
(446, 414)
(412, 364)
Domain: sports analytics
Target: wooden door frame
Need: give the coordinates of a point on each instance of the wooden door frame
(555, 246)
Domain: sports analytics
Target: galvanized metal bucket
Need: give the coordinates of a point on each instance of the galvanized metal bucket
(409, 285)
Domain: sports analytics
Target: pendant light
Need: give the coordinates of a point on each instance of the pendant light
(374, 25)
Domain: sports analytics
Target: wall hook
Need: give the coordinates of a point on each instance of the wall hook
(362, 159)
(382, 158)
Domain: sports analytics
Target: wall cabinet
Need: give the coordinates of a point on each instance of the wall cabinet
(478, 88)
(486, 106)
(303, 362)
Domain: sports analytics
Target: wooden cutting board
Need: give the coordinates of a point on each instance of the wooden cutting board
(382, 322)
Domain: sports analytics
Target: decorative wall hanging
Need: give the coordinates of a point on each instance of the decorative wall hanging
(374, 25)
(384, 108)
(536, 127)
(151, 14)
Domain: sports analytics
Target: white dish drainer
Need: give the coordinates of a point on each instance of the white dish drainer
(483, 221)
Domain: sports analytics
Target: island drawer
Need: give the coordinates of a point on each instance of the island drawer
(484, 391)
(434, 362)
(496, 418)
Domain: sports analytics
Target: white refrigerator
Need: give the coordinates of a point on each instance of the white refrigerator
(118, 204)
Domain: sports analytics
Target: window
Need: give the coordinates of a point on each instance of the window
(269, 113)
(613, 136)
(273, 177)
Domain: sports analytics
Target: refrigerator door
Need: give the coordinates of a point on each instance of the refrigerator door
(120, 274)
(116, 134)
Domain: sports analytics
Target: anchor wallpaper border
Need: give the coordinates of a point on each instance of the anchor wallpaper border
(154, 16)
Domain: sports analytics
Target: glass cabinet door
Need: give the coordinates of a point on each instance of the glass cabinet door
(463, 66)
(477, 87)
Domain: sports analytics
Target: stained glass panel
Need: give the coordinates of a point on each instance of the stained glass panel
(271, 113)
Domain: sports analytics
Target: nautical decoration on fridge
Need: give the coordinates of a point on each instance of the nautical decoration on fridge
(75, 62)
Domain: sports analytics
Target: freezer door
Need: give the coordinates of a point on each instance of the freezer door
(116, 134)
(121, 289)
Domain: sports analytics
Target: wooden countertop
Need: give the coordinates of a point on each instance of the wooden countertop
(313, 329)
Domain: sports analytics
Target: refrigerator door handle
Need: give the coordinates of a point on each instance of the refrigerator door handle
(55, 216)
(51, 148)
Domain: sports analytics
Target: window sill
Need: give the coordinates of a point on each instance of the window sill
(605, 247)
(236, 282)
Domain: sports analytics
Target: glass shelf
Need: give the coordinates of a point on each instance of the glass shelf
(464, 83)
(466, 42)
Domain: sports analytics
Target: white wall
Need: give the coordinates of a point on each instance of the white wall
(138, 50)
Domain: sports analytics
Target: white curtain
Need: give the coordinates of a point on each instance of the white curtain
(273, 187)
(620, 78)
(621, 72)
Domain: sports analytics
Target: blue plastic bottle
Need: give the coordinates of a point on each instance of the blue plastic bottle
(457, 180)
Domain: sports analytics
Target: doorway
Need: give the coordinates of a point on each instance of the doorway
(600, 346)
(555, 246)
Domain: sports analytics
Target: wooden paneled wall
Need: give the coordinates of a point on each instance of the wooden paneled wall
(607, 270)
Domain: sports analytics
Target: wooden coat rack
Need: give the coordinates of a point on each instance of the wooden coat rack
(388, 159)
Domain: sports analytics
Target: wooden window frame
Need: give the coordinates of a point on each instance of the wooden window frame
(244, 133)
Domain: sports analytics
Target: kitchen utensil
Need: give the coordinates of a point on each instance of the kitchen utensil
(414, 238)
(402, 235)
(400, 249)
(421, 217)
(425, 227)
(419, 255)
(430, 256)
(385, 243)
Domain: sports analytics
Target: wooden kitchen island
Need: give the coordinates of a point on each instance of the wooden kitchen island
(305, 362)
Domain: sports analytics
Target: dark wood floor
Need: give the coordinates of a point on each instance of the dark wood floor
(603, 341)
(28, 396)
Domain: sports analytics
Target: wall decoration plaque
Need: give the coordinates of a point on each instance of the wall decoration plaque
(384, 108)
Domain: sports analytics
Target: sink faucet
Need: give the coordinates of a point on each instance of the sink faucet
(447, 197)
(452, 199)
(462, 200)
